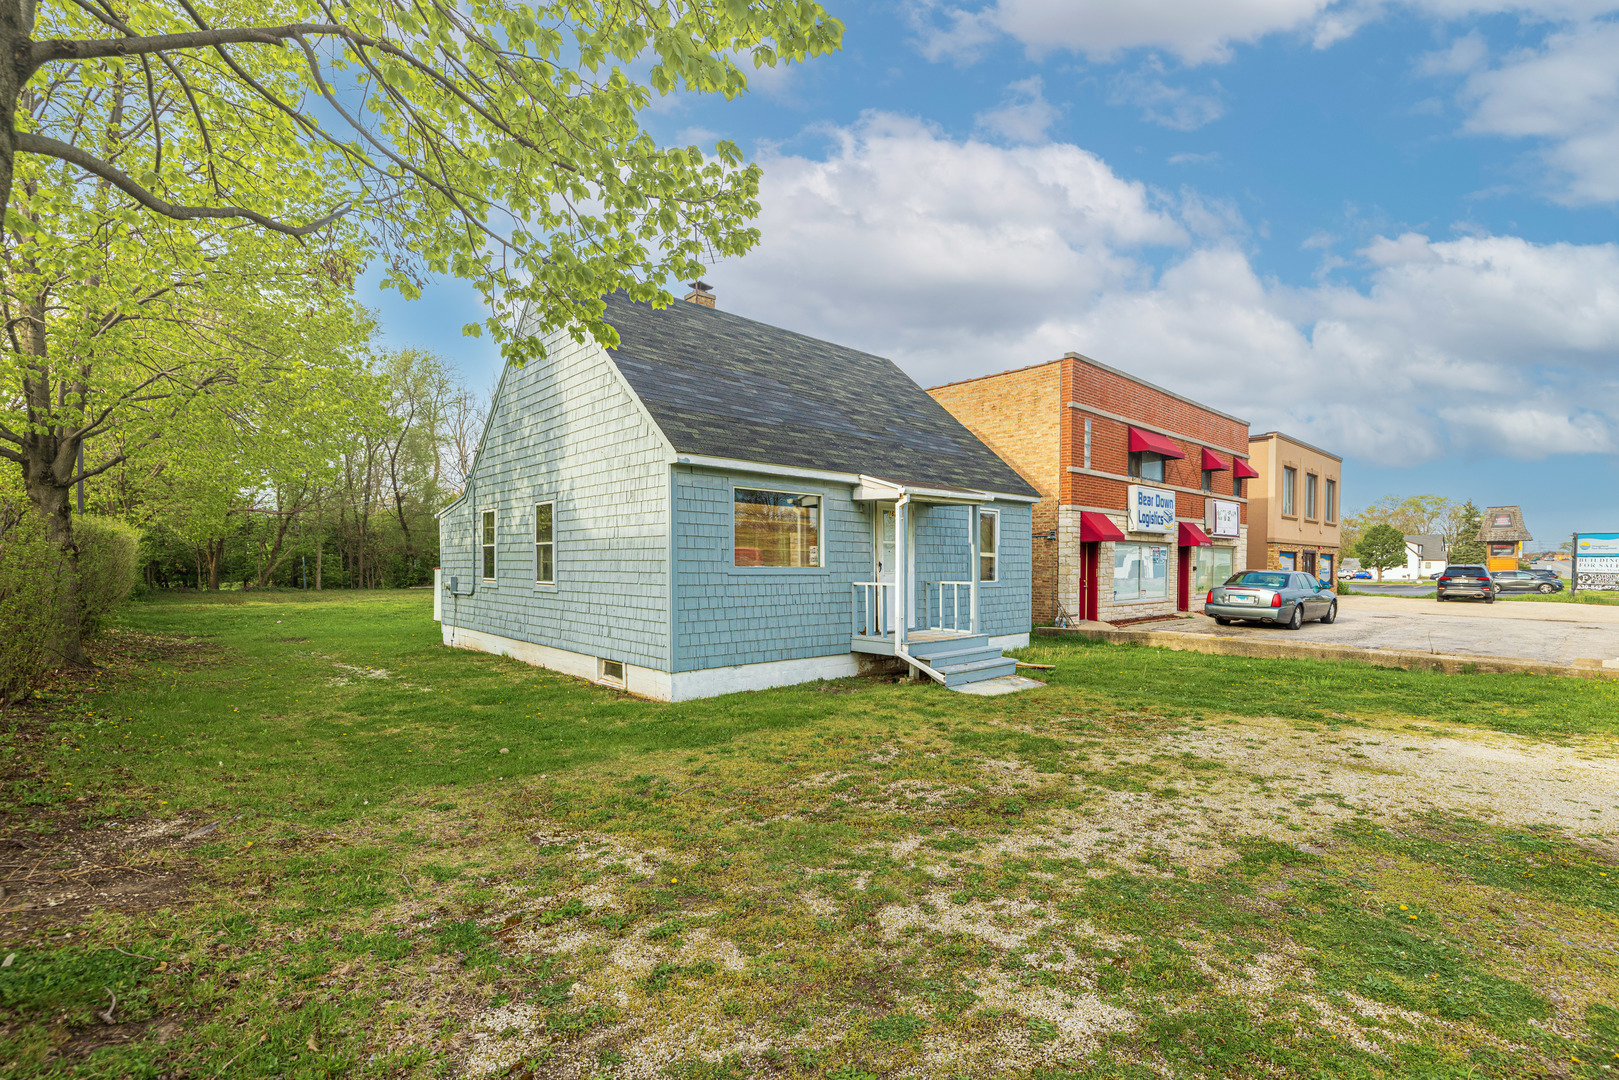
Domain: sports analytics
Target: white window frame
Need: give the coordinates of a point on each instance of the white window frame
(616, 681)
(993, 556)
(820, 533)
(490, 547)
(540, 582)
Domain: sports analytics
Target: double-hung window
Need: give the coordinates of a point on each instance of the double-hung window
(1290, 481)
(1146, 465)
(989, 545)
(1332, 501)
(545, 544)
(777, 528)
(488, 545)
(1310, 482)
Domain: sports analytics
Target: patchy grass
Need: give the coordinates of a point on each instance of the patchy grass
(1583, 597)
(1160, 864)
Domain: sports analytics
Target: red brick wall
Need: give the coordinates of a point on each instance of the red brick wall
(1110, 447)
(1020, 415)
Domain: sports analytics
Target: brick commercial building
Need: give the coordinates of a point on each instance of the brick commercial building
(1295, 506)
(1142, 505)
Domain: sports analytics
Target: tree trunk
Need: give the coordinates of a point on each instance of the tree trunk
(216, 556)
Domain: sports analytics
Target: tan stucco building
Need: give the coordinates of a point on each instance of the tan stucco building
(1294, 506)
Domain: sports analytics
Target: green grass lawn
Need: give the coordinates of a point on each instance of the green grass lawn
(437, 862)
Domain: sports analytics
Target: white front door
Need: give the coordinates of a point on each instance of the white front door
(884, 554)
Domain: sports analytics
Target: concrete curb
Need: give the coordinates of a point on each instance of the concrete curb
(1408, 659)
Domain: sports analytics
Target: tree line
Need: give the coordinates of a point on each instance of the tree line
(189, 192)
(1376, 535)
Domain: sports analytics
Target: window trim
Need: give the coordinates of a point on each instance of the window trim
(1290, 483)
(1138, 458)
(540, 583)
(994, 556)
(489, 551)
(820, 534)
(617, 682)
(1312, 489)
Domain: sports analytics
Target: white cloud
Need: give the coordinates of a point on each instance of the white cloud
(958, 258)
(1160, 103)
(1564, 93)
(1196, 31)
(1025, 115)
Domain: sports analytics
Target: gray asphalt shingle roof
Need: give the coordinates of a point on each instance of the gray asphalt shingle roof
(724, 386)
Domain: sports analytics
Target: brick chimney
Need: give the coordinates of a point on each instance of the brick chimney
(701, 293)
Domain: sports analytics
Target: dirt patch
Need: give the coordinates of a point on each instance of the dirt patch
(58, 865)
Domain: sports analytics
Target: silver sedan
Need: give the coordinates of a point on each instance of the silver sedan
(1272, 596)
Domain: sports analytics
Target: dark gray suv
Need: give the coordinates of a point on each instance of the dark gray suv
(1473, 581)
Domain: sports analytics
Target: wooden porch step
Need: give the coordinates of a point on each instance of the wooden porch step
(978, 670)
(957, 657)
(937, 646)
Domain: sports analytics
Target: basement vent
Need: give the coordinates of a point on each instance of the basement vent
(612, 673)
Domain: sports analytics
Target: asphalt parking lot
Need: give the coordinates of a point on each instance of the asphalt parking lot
(1556, 633)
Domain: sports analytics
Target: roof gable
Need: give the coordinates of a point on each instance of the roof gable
(720, 385)
(1503, 524)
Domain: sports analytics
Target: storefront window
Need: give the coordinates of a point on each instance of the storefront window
(1287, 560)
(1140, 572)
(1326, 564)
(1214, 564)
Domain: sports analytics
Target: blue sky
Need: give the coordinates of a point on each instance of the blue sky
(1387, 228)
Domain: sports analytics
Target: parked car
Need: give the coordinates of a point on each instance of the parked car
(1271, 596)
(1361, 575)
(1549, 575)
(1465, 580)
(1523, 581)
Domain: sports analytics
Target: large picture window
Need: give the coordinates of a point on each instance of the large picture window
(488, 539)
(989, 545)
(1290, 482)
(777, 528)
(1214, 565)
(545, 545)
(1140, 572)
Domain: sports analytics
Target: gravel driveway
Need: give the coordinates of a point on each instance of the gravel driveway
(1556, 633)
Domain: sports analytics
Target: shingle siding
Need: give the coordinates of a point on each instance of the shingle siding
(729, 615)
(566, 429)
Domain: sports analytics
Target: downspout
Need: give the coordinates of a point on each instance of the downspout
(902, 575)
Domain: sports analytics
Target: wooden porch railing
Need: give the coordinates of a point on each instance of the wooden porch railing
(953, 596)
(868, 611)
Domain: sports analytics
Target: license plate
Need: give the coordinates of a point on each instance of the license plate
(1243, 599)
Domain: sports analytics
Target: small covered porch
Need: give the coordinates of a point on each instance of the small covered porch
(923, 603)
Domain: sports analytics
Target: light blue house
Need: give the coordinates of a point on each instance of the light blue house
(721, 505)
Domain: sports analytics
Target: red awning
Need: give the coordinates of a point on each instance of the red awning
(1151, 440)
(1242, 470)
(1094, 527)
(1214, 462)
(1193, 536)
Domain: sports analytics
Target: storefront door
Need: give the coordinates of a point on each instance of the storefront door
(1308, 563)
(1183, 580)
(1090, 560)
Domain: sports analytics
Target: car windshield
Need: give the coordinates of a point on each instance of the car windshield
(1258, 579)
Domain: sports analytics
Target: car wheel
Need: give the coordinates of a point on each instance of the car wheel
(1221, 620)
(1490, 599)
(1298, 617)
(1332, 613)
(1547, 589)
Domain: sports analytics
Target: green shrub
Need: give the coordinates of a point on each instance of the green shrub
(107, 568)
(33, 585)
(33, 577)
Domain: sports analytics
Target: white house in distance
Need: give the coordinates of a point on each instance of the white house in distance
(1425, 556)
